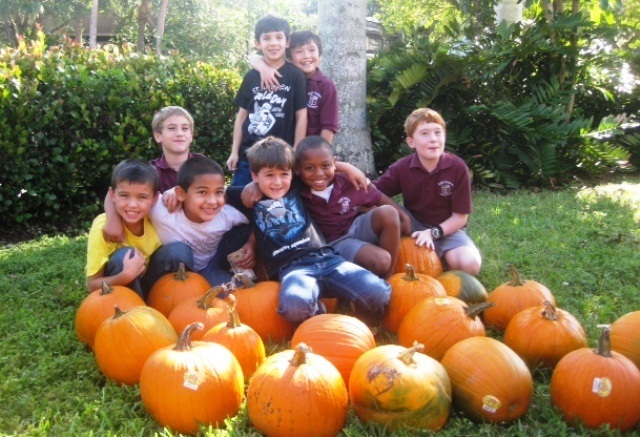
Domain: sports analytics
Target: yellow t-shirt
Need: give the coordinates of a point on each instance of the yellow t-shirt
(99, 250)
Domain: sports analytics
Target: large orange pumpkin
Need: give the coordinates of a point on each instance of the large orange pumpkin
(258, 307)
(512, 297)
(597, 388)
(189, 384)
(339, 338)
(208, 309)
(173, 288)
(242, 340)
(464, 286)
(542, 335)
(490, 382)
(125, 341)
(625, 336)
(440, 322)
(98, 306)
(423, 260)
(407, 289)
(297, 393)
(400, 388)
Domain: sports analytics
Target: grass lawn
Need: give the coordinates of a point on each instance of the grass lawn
(581, 242)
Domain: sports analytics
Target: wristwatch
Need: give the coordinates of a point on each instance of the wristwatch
(437, 232)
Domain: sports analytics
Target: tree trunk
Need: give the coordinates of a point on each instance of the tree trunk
(143, 17)
(93, 24)
(342, 26)
(162, 15)
(79, 30)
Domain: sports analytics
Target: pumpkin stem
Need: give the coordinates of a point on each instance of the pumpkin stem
(184, 342)
(181, 274)
(119, 312)
(105, 289)
(604, 342)
(515, 277)
(300, 355)
(407, 356)
(234, 317)
(241, 280)
(206, 301)
(474, 310)
(410, 273)
(549, 312)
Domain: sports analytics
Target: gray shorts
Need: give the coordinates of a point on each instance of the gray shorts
(359, 234)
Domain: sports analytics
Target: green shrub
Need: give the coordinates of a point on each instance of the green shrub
(68, 115)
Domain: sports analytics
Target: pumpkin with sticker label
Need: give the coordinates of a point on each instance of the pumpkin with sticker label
(192, 384)
(597, 387)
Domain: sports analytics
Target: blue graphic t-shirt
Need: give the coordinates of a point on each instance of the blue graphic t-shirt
(283, 229)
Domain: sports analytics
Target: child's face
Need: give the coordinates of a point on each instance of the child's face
(273, 45)
(273, 182)
(428, 141)
(176, 135)
(204, 199)
(306, 57)
(316, 168)
(133, 201)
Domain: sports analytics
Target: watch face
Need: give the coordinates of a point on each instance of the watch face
(435, 233)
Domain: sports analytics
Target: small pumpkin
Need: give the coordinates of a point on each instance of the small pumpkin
(189, 384)
(297, 393)
(490, 382)
(512, 297)
(173, 288)
(407, 289)
(625, 336)
(400, 388)
(543, 334)
(463, 286)
(98, 306)
(339, 338)
(258, 307)
(424, 260)
(242, 340)
(597, 387)
(208, 309)
(125, 341)
(440, 322)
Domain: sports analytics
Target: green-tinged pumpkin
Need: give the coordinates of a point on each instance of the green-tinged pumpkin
(173, 288)
(440, 322)
(189, 384)
(424, 260)
(597, 387)
(625, 336)
(407, 289)
(125, 341)
(297, 393)
(400, 388)
(490, 382)
(463, 286)
(543, 334)
(512, 297)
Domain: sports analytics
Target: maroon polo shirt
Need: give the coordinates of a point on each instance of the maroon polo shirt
(322, 104)
(430, 197)
(168, 177)
(336, 217)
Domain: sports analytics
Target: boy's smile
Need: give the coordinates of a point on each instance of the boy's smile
(176, 135)
(273, 46)
(273, 182)
(428, 141)
(306, 57)
(204, 198)
(132, 201)
(317, 168)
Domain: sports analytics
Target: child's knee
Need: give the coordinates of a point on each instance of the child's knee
(297, 309)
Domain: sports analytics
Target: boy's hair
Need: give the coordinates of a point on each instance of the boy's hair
(157, 124)
(312, 142)
(422, 115)
(135, 171)
(271, 23)
(197, 166)
(302, 37)
(271, 152)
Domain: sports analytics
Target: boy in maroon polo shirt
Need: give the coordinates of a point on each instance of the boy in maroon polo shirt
(363, 226)
(436, 190)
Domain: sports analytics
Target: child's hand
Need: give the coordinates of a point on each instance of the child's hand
(232, 162)
(170, 200)
(133, 265)
(423, 238)
(269, 78)
(355, 175)
(249, 258)
(113, 231)
(250, 194)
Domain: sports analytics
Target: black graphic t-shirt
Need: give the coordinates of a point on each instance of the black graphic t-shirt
(283, 229)
(271, 112)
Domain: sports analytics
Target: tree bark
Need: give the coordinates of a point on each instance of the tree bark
(342, 26)
(144, 12)
(93, 24)
(162, 15)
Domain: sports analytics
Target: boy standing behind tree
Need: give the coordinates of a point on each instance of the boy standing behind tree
(281, 112)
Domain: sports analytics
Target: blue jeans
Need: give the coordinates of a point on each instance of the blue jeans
(242, 175)
(323, 272)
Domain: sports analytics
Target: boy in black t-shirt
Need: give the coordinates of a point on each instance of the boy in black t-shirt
(293, 249)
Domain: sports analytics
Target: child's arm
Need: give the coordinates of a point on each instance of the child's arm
(301, 126)
(249, 248)
(356, 176)
(232, 162)
(328, 135)
(171, 201)
(133, 266)
(113, 231)
(251, 194)
(405, 221)
(268, 76)
(449, 226)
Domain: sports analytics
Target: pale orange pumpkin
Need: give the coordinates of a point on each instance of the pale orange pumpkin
(625, 336)
(425, 261)
(173, 288)
(190, 384)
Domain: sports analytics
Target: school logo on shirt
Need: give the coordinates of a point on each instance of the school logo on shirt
(345, 205)
(446, 188)
(314, 98)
